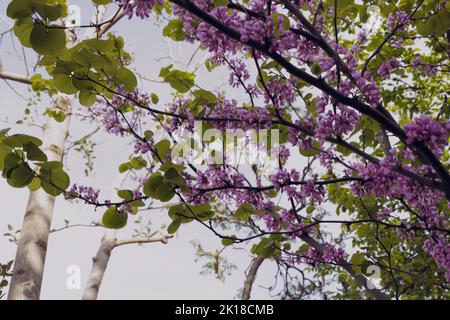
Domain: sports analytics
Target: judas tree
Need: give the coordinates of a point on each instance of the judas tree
(342, 104)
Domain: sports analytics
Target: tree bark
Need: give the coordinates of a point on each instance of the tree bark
(30, 256)
(99, 265)
(14, 77)
(251, 276)
(101, 259)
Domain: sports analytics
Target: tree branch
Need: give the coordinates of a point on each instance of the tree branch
(251, 276)
(15, 77)
(101, 260)
(163, 239)
(362, 280)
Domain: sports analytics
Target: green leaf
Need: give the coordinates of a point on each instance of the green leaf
(173, 227)
(51, 165)
(123, 167)
(152, 183)
(19, 140)
(310, 209)
(138, 163)
(181, 213)
(35, 184)
(220, 3)
(47, 40)
(265, 248)
(22, 30)
(311, 152)
(54, 181)
(21, 176)
(164, 192)
(174, 30)
(203, 97)
(172, 175)
(179, 80)
(87, 98)
(125, 194)
(112, 219)
(34, 153)
(228, 241)
(101, 2)
(155, 98)
(102, 46)
(19, 9)
(302, 249)
(48, 12)
(11, 161)
(126, 77)
(4, 152)
(363, 230)
(357, 259)
(162, 148)
(202, 212)
(244, 212)
(64, 83)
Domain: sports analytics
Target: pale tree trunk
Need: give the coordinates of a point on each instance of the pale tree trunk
(99, 265)
(251, 276)
(101, 259)
(30, 257)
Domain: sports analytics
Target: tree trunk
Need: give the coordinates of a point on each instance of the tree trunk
(248, 284)
(99, 265)
(100, 261)
(32, 248)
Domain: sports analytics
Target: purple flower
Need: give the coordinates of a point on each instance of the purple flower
(430, 132)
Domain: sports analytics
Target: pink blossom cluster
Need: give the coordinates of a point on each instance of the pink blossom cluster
(88, 194)
(419, 64)
(329, 254)
(369, 88)
(381, 180)
(278, 92)
(288, 181)
(248, 118)
(141, 147)
(239, 73)
(430, 132)
(283, 177)
(386, 67)
(397, 20)
(336, 124)
(142, 8)
(181, 108)
(439, 248)
(125, 208)
(112, 119)
(108, 118)
(285, 220)
(215, 180)
(296, 138)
